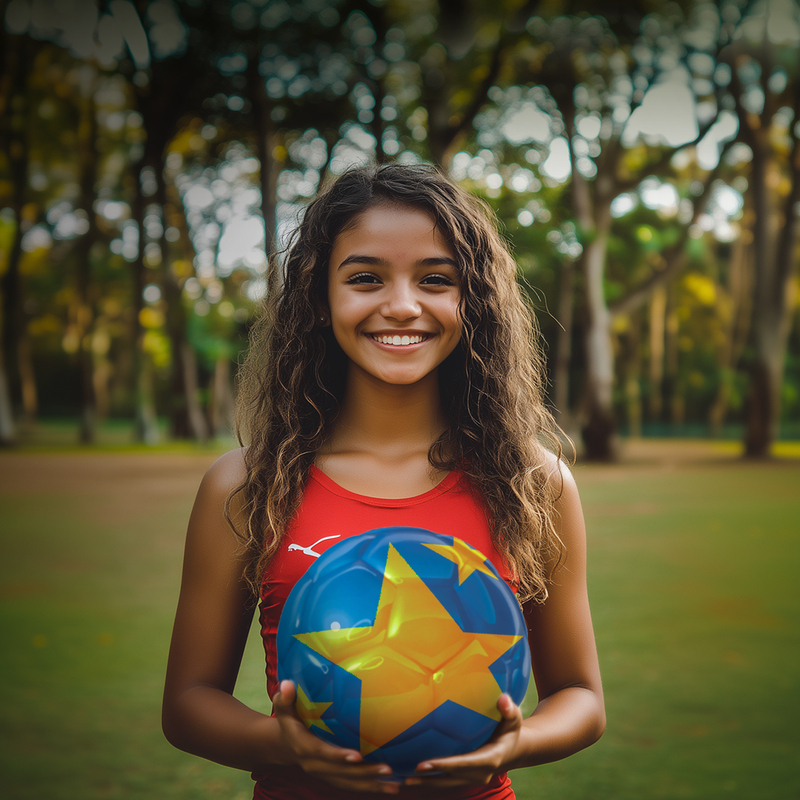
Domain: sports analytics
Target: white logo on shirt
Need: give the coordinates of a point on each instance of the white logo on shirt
(309, 551)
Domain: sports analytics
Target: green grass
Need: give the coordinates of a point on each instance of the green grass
(693, 578)
(694, 589)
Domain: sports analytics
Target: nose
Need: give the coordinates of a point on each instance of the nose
(401, 302)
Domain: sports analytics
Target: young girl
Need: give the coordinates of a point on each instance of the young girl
(394, 380)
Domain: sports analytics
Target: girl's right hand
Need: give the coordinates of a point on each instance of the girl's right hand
(340, 767)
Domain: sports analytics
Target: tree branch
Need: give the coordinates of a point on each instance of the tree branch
(482, 93)
(656, 168)
(674, 257)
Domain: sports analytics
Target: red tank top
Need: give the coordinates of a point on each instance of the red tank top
(328, 514)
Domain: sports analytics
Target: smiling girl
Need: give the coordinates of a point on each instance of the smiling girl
(394, 379)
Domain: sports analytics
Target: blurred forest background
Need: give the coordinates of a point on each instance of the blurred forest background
(642, 156)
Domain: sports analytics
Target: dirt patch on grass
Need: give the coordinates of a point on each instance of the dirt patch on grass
(131, 483)
(109, 486)
(101, 473)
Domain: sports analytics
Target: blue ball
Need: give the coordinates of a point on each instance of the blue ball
(400, 642)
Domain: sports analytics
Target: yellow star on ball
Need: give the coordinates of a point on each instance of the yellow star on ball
(413, 659)
(467, 558)
(310, 712)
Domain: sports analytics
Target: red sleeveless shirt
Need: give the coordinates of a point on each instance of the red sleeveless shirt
(328, 514)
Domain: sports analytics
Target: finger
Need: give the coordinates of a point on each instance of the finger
(360, 777)
(285, 696)
(339, 766)
(381, 787)
(357, 775)
(488, 758)
(315, 749)
(460, 778)
(476, 767)
(508, 708)
(482, 762)
(436, 782)
(320, 764)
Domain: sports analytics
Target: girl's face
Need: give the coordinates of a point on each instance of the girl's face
(393, 294)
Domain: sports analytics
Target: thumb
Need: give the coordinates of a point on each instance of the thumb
(283, 699)
(506, 706)
(510, 713)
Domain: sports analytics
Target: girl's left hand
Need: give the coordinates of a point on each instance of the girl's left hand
(481, 765)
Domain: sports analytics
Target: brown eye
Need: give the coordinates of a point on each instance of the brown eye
(364, 278)
(437, 280)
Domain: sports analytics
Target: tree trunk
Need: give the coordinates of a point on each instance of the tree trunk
(739, 291)
(146, 422)
(563, 354)
(222, 403)
(632, 368)
(672, 389)
(766, 380)
(187, 420)
(145, 418)
(599, 428)
(658, 317)
(15, 148)
(7, 430)
(101, 379)
(27, 377)
(264, 130)
(195, 419)
(18, 56)
(774, 244)
(84, 313)
(593, 213)
(12, 312)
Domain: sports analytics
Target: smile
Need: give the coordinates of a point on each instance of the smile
(400, 341)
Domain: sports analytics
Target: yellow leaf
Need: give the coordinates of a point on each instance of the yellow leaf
(703, 288)
(151, 318)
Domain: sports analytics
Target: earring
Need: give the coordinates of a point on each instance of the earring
(322, 320)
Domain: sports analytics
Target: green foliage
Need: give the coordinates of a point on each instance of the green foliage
(246, 109)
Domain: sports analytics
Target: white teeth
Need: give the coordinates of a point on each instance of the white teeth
(398, 341)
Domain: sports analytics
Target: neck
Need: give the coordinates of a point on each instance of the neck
(392, 420)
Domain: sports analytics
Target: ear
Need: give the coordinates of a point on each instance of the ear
(323, 317)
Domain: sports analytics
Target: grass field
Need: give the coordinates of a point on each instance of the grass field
(694, 564)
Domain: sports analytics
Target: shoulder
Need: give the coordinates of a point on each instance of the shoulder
(216, 509)
(570, 526)
(225, 475)
(559, 477)
(229, 469)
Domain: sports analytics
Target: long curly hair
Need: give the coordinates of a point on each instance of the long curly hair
(500, 434)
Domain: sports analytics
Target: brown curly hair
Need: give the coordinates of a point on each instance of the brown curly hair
(500, 433)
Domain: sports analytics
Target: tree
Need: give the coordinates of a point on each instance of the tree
(174, 86)
(598, 79)
(762, 56)
(19, 55)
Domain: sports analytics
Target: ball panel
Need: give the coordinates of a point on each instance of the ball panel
(513, 670)
(448, 731)
(327, 604)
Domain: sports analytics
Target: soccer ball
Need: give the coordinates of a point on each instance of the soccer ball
(400, 642)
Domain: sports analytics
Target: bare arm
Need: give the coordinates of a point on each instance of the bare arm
(211, 625)
(200, 714)
(570, 714)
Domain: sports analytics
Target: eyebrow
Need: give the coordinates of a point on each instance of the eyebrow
(434, 261)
